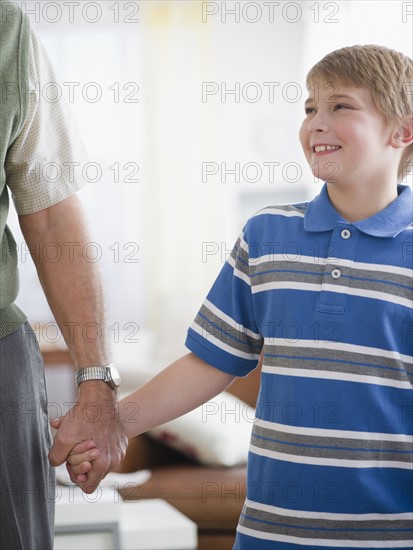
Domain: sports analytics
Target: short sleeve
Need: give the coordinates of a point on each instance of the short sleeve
(44, 164)
(224, 333)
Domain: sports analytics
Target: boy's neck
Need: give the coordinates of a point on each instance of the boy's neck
(358, 202)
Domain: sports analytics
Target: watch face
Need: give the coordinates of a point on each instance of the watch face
(114, 373)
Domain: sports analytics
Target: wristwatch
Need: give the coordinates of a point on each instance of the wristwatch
(108, 373)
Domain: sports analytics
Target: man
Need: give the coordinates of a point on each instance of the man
(33, 133)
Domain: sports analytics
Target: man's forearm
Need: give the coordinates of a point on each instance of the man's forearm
(74, 291)
(71, 284)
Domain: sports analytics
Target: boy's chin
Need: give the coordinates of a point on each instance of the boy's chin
(330, 175)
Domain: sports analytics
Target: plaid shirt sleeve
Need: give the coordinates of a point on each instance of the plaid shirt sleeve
(44, 164)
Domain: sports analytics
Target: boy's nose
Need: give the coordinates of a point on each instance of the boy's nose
(318, 123)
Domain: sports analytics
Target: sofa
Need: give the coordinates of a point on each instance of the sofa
(212, 497)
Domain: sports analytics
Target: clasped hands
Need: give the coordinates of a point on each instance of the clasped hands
(90, 437)
(79, 463)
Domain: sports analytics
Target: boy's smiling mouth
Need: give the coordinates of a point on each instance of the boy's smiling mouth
(325, 148)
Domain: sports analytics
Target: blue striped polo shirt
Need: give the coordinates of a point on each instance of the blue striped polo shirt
(330, 305)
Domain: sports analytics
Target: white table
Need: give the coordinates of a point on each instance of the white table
(103, 521)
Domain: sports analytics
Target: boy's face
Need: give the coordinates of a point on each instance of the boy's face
(344, 137)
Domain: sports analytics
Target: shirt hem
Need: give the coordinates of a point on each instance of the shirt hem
(11, 318)
(214, 359)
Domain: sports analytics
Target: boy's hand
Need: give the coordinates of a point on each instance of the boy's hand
(79, 461)
(80, 457)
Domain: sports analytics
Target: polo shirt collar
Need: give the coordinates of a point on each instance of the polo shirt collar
(322, 216)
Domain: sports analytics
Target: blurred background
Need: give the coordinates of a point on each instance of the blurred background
(189, 112)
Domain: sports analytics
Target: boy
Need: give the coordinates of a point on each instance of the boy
(330, 462)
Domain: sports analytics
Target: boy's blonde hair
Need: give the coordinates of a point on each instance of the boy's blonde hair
(387, 74)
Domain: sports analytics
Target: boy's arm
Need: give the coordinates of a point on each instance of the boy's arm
(183, 386)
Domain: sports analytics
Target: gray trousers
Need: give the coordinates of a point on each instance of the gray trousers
(27, 490)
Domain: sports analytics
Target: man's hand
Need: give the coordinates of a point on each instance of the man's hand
(93, 417)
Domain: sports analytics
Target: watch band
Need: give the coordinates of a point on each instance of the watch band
(96, 373)
(90, 373)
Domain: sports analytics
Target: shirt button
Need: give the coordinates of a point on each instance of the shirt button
(346, 234)
(336, 273)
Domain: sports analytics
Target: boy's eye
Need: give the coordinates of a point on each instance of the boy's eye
(341, 106)
(309, 110)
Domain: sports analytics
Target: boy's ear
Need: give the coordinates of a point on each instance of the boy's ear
(403, 134)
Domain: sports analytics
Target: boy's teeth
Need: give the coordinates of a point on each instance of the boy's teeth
(321, 148)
